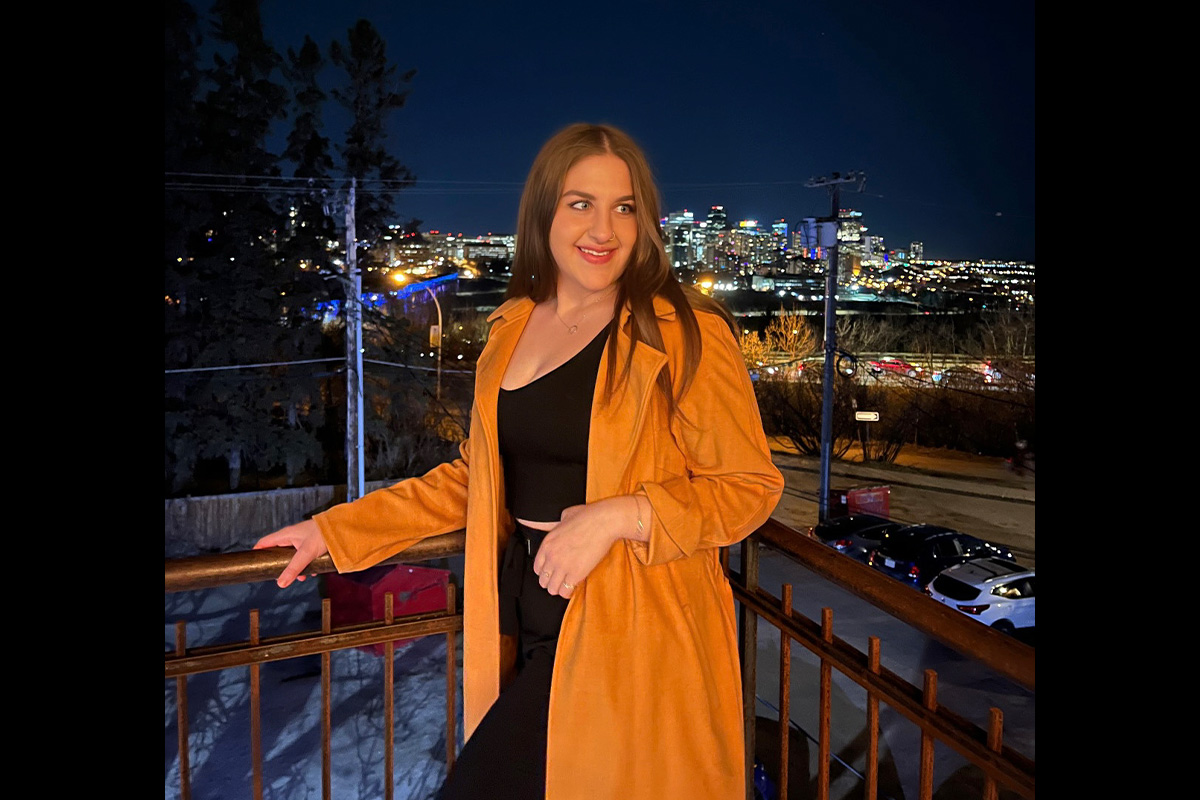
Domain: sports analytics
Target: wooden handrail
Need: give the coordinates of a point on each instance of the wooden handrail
(251, 566)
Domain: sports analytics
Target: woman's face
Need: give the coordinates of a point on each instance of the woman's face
(594, 227)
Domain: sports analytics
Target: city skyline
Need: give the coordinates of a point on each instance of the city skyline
(903, 251)
(740, 107)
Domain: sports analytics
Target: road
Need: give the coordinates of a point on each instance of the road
(978, 495)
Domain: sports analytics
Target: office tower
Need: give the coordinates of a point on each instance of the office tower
(850, 243)
(717, 220)
(678, 230)
(916, 251)
(716, 239)
(779, 241)
(751, 245)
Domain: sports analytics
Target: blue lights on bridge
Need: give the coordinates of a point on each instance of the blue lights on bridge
(328, 309)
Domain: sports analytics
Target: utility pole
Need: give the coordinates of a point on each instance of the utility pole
(355, 468)
(834, 183)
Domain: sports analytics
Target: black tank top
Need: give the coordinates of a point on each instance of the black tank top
(543, 429)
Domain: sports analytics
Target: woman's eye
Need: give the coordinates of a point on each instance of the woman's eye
(625, 208)
(581, 205)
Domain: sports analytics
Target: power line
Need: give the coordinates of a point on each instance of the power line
(252, 366)
(420, 187)
(331, 180)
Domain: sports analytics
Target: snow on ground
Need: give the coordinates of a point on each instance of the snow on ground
(218, 705)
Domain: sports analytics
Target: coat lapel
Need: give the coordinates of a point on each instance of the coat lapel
(615, 426)
(510, 319)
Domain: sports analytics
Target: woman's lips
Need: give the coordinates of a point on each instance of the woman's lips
(595, 256)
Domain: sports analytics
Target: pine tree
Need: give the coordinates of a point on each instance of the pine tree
(373, 91)
(232, 284)
(305, 248)
(248, 249)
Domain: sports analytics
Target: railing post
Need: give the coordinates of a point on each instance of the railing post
(256, 790)
(326, 702)
(451, 680)
(825, 709)
(185, 780)
(749, 644)
(389, 702)
(929, 700)
(995, 735)
(785, 693)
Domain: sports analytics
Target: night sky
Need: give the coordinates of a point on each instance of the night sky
(736, 104)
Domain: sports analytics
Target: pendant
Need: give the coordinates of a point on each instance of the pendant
(572, 329)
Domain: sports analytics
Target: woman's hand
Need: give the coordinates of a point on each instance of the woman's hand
(574, 546)
(306, 538)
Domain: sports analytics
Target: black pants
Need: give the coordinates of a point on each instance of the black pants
(505, 758)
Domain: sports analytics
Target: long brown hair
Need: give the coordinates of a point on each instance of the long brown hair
(647, 273)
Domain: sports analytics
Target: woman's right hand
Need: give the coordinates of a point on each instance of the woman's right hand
(306, 538)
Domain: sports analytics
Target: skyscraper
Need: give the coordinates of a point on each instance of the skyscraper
(779, 241)
(678, 231)
(715, 238)
(850, 242)
(717, 220)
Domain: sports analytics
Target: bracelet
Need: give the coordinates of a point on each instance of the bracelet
(641, 530)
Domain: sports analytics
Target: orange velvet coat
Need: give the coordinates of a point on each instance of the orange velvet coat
(645, 699)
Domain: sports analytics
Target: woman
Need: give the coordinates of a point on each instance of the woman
(615, 445)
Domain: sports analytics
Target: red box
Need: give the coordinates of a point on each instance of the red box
(357, 597)
(869, 500)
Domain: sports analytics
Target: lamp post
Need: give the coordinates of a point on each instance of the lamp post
(435, 337)
(437, 340)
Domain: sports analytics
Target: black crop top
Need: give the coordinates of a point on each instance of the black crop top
(543, 428)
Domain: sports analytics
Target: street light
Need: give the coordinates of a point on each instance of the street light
(435, 336)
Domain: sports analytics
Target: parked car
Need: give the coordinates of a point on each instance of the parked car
(890, 364)
(960, 377)
(995, 591)
(915, 554)
(856, 535)
(1011, 373)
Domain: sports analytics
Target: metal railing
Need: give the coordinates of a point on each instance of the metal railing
(202, 572)
(1000, 765)
(1005, 655)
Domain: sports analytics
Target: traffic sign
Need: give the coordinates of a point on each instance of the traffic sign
(866, 416)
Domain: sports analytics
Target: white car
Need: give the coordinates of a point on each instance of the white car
(995, 591)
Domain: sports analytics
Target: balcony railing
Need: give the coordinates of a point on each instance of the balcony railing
(1001, 766)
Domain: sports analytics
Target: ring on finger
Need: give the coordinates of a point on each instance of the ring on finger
(568, 586)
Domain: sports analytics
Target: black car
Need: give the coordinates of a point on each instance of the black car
(855, 535)
(915, 554)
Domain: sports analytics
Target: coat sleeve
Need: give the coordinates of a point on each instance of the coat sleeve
(731, 486)
(384, 522)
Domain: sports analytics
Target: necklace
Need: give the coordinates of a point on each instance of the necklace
(587, 307)
(570, 328)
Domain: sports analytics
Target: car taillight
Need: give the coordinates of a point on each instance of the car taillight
(915, 572)
(973, 609)
(929, 591)
(842, 544)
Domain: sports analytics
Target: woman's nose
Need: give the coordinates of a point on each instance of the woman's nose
(602, 227)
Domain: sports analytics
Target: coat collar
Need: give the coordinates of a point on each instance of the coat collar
(514, 308)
